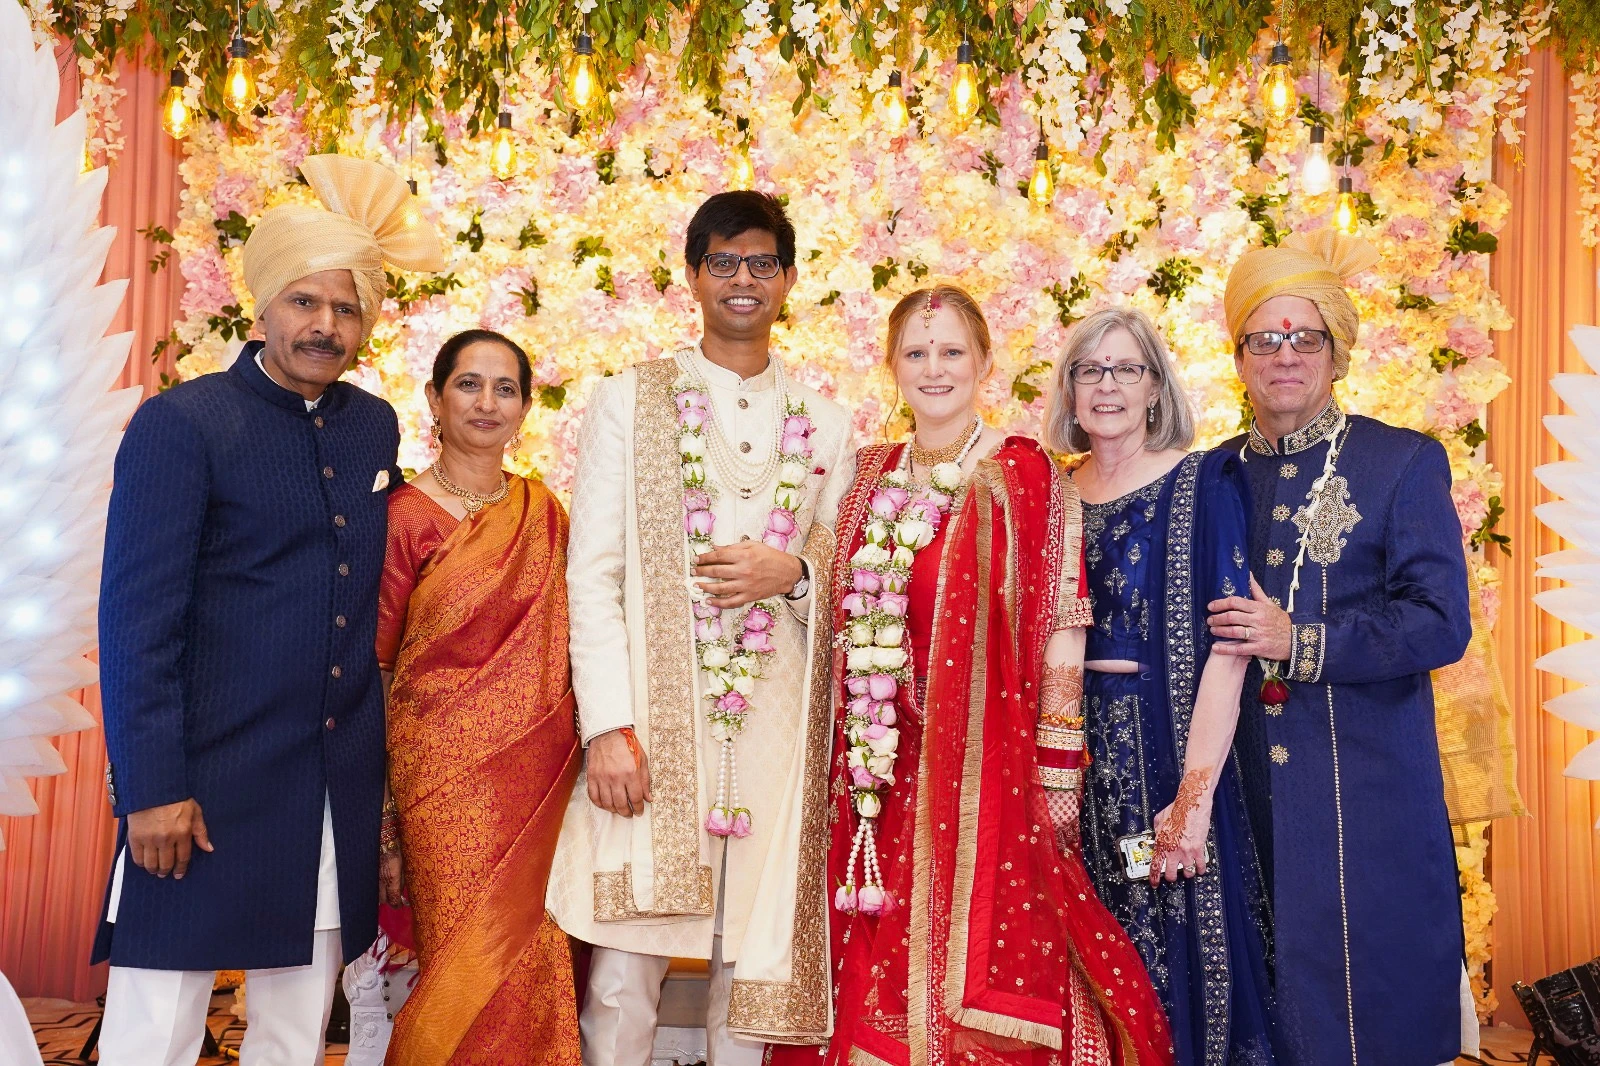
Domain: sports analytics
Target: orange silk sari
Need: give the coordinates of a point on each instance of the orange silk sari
(482, 758)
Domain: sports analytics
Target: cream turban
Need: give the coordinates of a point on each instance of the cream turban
(370, 220)
(1312, 265)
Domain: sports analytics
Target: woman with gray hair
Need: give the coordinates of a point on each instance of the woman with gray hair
(1164, 832)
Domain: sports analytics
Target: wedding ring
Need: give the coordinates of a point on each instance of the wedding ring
(1246, 632)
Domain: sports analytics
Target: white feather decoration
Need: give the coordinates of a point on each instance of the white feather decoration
(59, 424)
(1576, 517)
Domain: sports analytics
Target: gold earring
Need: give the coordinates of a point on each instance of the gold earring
(437, 431)
(516, 441)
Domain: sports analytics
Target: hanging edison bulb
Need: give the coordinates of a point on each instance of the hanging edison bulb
(1345, 217)
(744, 172)
(239, 85)
(1277, 88)
(964, 99)
(1316, 175)
(503, 150)
(1041, 187)
(892, 104)
(175, 114)
(413, 216)
(582, 84)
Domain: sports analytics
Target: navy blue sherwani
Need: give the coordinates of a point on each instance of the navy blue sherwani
(238, 608)
(1367, 913)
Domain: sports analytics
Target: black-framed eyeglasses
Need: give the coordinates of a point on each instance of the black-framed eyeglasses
(1304, 341)
(726, 265)
(1122, 373)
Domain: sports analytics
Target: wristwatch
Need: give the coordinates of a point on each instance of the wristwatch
(801, 587)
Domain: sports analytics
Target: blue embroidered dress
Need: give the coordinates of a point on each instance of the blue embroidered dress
(1156, 557)
(1348, 797)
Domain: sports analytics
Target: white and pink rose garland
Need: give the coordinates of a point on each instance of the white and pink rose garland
(877, 663)
(732, 660)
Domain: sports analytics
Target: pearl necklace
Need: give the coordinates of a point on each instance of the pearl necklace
(470, 500)
(743, 476)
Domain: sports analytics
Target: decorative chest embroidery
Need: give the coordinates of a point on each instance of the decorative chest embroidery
(1280, 754)
(1333, 518)
(1275, 556)
(1280, 513)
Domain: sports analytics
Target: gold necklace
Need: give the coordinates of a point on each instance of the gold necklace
(469, 499)
(930, 458)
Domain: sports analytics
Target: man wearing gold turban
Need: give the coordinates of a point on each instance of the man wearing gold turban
(1359, 590)
(238, 607)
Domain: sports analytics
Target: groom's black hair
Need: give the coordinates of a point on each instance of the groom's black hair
(728, 214)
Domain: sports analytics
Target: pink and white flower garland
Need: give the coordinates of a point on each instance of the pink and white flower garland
(904, 521)
(732, 661)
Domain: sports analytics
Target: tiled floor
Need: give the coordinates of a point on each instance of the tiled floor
(62, 1028)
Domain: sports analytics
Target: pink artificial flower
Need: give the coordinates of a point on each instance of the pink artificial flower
(697, 500)
(778, 541)
(782, 521)
(741, 823)
(865, 581)
(881, 687)
(870, 900)
(699, 523)
(797, 424)
(861, 706)
(887, 715)
(876, 732)
(702, 609)
(889, 905)
(757, 620)
(732, 703)
(861, 777)
(690, 398)
(894, 582)
(857, 604)
(757, 642)
(691, 418)
(795, 444)
(894, 604)
(707, 630)
(845, 899)
(718, 823)
(857, 686)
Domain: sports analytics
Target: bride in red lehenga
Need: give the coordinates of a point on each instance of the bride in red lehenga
(964, 928)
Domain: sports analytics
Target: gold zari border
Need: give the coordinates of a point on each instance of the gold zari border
(614, 899)
(1061, 778)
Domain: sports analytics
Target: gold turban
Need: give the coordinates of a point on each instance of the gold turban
(1312, 265)
(370, 220)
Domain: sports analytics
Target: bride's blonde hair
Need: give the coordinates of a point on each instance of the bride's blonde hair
(934, 297)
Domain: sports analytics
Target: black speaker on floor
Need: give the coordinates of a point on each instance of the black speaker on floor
(1564, 1011)
(339, 1017)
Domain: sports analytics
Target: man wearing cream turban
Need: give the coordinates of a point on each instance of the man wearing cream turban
(1359, 590)
(238, 608)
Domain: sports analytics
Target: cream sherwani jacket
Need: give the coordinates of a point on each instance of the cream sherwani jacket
(650, 884)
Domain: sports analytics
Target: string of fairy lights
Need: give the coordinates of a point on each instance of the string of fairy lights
(584, 91)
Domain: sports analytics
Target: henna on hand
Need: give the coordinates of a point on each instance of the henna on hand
(1061, 696)
(1184, 804)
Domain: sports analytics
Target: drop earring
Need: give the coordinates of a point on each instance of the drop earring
(1150, 414)
(516, 442)
(437, 431)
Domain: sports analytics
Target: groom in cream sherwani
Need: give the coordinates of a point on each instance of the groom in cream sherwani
(637, 873)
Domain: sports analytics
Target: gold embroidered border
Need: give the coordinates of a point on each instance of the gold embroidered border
(796, 1011)
(669, 654)
(614, 899)
(1306, 651)
(1075, 613)
(866, 1058)
(989, 488)
(1073, 608)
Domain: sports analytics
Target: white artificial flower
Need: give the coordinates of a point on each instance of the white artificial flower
(691, 446)
(889, 636)
(903, 557)
(868, 805)
(744, 684)
(877, 532)
(859, 660)
(888, 658)
(694, 474)
(887, 744)
(857, 757)
(787, 498)
(720, 682)
(913, 533)
(713, 657)
(792, 474)
(946, 477)
(880, 765)
(719, 729)
(861, 633)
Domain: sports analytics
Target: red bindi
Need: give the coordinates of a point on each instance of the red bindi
(1287, 323)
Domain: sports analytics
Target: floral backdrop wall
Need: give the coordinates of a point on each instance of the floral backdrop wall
(579, 256)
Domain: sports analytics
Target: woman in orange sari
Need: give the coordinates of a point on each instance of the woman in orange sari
(482, 748)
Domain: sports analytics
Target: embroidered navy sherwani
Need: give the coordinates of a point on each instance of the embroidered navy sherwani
(238, 608)
(1367, 913)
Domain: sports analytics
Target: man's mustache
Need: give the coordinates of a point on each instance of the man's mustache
(322, 344)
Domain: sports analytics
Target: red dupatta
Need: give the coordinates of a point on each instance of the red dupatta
(1008, 952)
